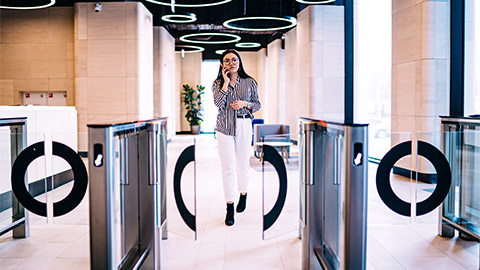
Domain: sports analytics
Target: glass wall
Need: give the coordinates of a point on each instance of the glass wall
(472, 57)
(373, 68)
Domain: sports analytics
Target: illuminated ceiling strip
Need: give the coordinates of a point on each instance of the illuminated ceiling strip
(196, 48)
(185, 38)
(189, 5)
(52, 2)
(291, 20)
(248, 45)
(315, 2)
(173, 18)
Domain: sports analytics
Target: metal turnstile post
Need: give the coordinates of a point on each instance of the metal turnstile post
(333, 204)
(125, 212)
(20, 225)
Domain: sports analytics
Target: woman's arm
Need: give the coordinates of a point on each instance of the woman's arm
(219, 95)
(254, 100)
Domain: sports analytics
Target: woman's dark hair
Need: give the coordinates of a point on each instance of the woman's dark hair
(241, 71)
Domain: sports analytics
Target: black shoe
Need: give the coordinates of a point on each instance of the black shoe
(229, 221)
(242, 203)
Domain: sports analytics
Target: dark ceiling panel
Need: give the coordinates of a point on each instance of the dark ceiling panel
(210, 19)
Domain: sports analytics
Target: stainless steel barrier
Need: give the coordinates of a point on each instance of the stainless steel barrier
(126, 167)
(461, 208)
(333, 197)
(18, 141)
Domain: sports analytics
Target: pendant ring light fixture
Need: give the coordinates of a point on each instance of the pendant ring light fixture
(219, 51)
(194, 48)
(291, 20)
(169, 3)
(179, 18)
(247, 45)
(52, 2)
(185, 38)
(313, 2)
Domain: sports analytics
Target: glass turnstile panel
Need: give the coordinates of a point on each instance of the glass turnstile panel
(62, 177)
(10, 146)
(400, 180)
(280, 189)
(469, 186)
(425, 175)
(180, 147)
(462, 204)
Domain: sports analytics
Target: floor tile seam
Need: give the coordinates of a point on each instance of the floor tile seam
(391, 255)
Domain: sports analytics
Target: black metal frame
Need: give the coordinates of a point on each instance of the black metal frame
(457, 58)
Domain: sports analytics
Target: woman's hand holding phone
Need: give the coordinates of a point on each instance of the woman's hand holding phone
(226, 75)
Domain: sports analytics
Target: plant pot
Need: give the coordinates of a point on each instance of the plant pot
(195, 129)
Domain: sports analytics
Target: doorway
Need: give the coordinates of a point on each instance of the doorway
(209, 74)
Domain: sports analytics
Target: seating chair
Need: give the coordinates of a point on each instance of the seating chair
(269, 132)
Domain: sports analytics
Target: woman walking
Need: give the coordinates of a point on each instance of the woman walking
(236, 96)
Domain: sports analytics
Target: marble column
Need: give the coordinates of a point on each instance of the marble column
(320, 62)
(113, 63)
(420, 73)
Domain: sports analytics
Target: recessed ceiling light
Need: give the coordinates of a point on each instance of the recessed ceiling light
(291, 20)
(169, 3)
(195, 48)
(52, 2)
(315, 2)
(185, 38)
(248, 45)
(179, 18)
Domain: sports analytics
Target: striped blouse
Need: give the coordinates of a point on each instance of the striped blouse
(244, 89)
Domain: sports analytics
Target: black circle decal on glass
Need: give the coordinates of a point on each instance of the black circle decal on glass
(187, 156)
(271, 155)
(444, 178)
(73, 199)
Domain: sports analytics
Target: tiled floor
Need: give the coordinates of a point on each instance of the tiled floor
(393, 242)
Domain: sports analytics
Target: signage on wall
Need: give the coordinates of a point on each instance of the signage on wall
(27, 95)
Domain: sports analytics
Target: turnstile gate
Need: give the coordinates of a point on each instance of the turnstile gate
(333, 196)
(126, 167)
(20, 225)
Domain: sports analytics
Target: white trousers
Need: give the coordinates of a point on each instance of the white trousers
(235, 151)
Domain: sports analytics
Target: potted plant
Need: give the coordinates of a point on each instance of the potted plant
(192, 99)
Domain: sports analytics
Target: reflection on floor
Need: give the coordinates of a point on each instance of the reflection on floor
(393, 242)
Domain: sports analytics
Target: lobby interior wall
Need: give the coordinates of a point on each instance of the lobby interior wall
(293, 108)
(113, 63)
(36, 53)
(164, 77)
(320, 62)
(254, 64)
(420, 69)
(274, 104)
(188, 71)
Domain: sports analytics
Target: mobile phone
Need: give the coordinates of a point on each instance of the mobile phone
(228, 74)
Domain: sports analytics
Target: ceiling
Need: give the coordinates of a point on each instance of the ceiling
(210, 19)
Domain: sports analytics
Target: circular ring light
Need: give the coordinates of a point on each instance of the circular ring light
(185, 38)
(52, 2)
(315, 2)
(247, 45)
(195, 48)
(169, 3)
(291, 20)
(219, 52)
(179, 18)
